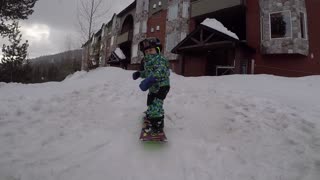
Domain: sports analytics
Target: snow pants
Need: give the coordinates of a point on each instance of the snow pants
(155, 103)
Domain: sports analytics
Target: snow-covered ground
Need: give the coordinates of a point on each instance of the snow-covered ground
(238, 127)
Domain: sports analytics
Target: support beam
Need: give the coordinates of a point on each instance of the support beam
(208, 38)
(195, 40)
(208, 45)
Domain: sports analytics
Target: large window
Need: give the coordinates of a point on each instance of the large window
(261, 28)
(280, 24)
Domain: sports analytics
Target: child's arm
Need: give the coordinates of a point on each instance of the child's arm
(142, 70)
(143, 74)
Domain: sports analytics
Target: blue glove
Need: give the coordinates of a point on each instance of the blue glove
(147, 83)
(136, 75)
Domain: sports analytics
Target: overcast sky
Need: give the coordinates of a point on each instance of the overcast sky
(54, 22)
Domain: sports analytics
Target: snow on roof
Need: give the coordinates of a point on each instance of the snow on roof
(215, 24)
(119, 53)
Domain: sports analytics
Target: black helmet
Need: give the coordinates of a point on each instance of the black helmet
(150, 42)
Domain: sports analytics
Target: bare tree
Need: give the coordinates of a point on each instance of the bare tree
(69, 54)
(90, 17)
(69, 42)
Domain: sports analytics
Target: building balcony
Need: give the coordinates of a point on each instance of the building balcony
(96, 48)
(124, 37)
(201, 7)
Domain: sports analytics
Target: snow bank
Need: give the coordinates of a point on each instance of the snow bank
(76, 75)
(235, 127)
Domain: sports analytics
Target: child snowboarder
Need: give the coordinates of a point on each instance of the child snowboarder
(155, 72)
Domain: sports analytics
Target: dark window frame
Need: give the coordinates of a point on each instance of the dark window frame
(278, 26)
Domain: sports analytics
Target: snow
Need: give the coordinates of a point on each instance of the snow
(119, 53)
(215, 24)
(236, 127)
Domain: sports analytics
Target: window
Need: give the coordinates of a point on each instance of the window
(244, 66)
(112, 39)
(158, 28)
(280, 24)
(152, 30)
(261, 28)
(185, 9)
(146, 6)
(134, 50)
(171, 41)
(144, 26)
(137, 28)
(154, 6)
(303, 25)
(160, 3)
(103, 31)
(173, 12)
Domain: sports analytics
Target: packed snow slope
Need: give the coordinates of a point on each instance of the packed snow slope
(238, 127)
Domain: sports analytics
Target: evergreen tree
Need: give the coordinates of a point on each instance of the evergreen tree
(13, 56)
(11, 10)
(26, 72)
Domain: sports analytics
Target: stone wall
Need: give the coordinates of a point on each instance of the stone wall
(140, 29)
(109, 38)
(177, 25)
(103, 47)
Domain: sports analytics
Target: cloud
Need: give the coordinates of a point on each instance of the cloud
(36, 32)
(46, 40)
(39, 38)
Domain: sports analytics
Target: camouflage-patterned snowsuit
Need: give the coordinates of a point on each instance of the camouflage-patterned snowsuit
(158, 67)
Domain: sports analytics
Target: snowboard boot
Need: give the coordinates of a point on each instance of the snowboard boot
(155, 125)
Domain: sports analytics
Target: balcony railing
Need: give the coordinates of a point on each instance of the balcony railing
(124, 37)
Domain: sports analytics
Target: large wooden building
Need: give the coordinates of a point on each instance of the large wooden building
(279, 37)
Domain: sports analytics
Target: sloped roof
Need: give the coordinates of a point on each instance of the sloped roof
(205, 38)
(127, 9)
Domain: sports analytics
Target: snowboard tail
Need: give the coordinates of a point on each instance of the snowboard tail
(156, 137)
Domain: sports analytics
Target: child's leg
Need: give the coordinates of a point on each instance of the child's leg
(155, 108)
(155, 112)
(151, 97)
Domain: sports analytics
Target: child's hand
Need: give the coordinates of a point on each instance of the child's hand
(136, 75)
(147, 83)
